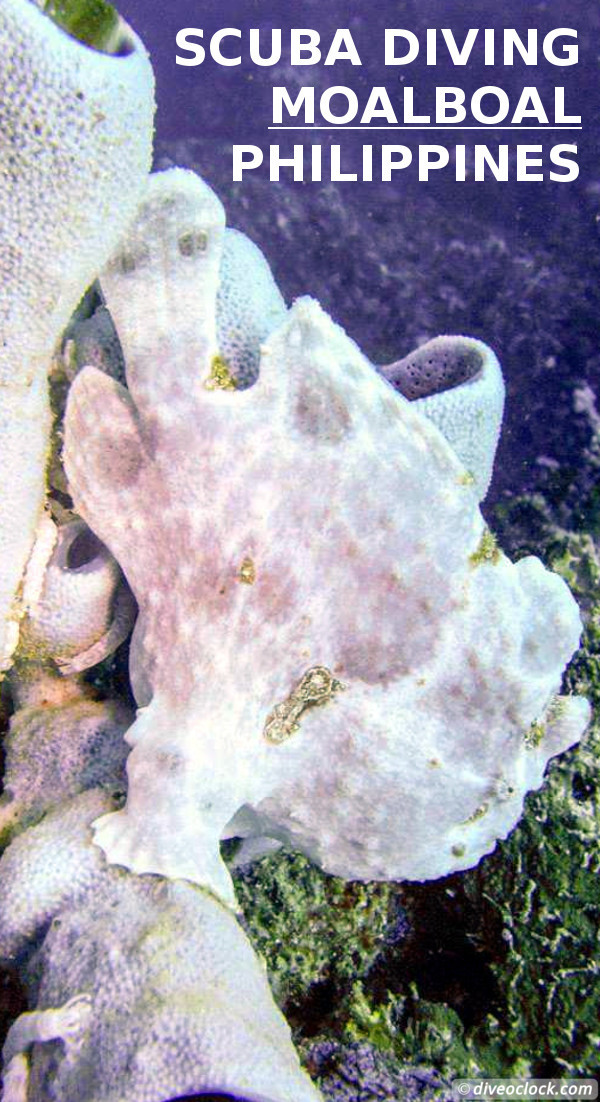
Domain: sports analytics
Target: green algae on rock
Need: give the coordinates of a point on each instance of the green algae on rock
(309, 927)
(544, 885)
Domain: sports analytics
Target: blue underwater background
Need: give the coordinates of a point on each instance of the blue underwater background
(513, 263)
(392, 990)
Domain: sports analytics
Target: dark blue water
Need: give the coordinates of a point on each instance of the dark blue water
(235, 103)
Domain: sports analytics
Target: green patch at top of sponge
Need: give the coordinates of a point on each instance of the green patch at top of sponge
(93, 22)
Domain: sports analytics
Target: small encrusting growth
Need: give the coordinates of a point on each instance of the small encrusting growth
(220, 377)
(534, 734)
(316, 687)
(488, 550)
(247, 572)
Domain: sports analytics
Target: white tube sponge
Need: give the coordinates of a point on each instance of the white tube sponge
(84, 609)
(75, 148)
(457, 383)
(250, 306)
(179, 1003)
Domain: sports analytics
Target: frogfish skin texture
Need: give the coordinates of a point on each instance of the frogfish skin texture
(331, 651)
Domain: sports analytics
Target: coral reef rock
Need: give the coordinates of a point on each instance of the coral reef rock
(331, 649)
(359, 1073)
(75, 148)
